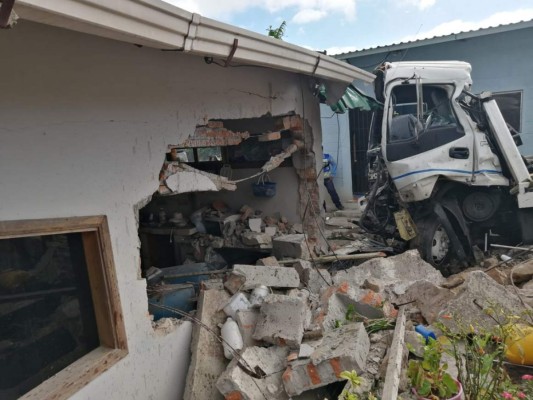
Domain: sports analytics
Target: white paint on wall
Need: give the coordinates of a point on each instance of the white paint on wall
(85, 125)
(336, 142)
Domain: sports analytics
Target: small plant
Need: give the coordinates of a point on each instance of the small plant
(277, 33)
(354, 381)
(429, 376)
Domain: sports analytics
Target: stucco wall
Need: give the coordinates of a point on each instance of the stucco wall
(336, 142)
(85, 123)
(500, 62)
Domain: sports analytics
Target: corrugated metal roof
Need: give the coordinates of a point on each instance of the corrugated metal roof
(437, 39)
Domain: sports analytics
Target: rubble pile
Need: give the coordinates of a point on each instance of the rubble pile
(301, 327)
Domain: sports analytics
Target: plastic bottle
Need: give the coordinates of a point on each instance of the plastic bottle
(237, 302)
(425, 332)
(232, 338)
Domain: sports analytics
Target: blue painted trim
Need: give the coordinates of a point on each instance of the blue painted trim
(458, 171)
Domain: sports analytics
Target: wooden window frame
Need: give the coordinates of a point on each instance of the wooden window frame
(105, 296)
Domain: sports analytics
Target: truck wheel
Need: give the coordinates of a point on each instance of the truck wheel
(433, 242)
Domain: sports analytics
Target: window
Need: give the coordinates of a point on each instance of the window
(510, 104)
(59, 306)
(420, 120)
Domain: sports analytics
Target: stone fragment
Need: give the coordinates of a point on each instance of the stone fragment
(342, 349)
(291, 246)
(250, 238)
(415, 343)
(281, 321)
(427, 297)
(498, 275)
(403, 268)
(269, 136)
(247, 277)
(255, 224)
(269, 261)
(207, 360)
(523, 272)
(478, 294)
(453, 281)
(313, 278)
(237, 384)
(247, 320)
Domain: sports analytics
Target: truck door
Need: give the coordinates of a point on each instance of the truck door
(422, 119)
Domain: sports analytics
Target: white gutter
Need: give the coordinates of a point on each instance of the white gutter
(157, 24)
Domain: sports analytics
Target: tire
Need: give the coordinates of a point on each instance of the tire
(433, 243)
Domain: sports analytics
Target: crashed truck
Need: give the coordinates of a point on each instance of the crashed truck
(446, 172)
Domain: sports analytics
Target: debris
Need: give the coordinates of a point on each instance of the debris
(247, 320)
(232, 338)
(523, 272)
(403, 268)
(235, 383)
(251, 238)
(270, 261)
(281, 320)
(247, 277)
(291, 246)
(255, 224)
(237, 302)
(313, 279)
(207, 359)
(342, 349)
(394, 366)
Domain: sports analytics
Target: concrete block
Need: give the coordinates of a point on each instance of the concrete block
(291, 246)
(207, 360)
(481, 289)
(236, 384)
(247, 320)
(315, 279)
(281, 321)
(403, 268)
(523, 272)
(247, 277)
(427, 297)
(269, 261)
(342, 349)
(250, 238)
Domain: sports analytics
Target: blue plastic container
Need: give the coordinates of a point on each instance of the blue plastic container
(425, 332)
(181, 297)
(264, 189)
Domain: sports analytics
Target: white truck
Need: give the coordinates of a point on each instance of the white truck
(445, 159)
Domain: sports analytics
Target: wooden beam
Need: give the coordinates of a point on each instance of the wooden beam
(394, 366)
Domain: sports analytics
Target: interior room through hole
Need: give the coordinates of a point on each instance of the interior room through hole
(194, 229)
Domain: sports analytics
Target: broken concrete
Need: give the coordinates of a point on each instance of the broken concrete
(236, 384)
(247, 320)
(268, 261)
(207, 360)
(250, 238)
(313, 278)
(282, 320)
(247, 277)
(342, 349)
(478, 294)
(291, 246)
(404, 268)
(523, 272)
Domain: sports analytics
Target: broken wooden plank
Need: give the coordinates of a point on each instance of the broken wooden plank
(328, 259)
(394, 367)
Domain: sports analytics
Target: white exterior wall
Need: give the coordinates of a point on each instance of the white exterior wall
(336, 142)
(85, 124)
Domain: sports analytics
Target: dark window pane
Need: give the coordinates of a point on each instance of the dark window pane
(209, 154)
(510, 104)
(47, 317)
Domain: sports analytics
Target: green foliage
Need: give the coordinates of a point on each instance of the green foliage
(278, 32)
(354, 381)
(429, 377)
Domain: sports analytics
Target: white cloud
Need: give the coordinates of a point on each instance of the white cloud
(305, 11)
(420, 4)
(308, 15)
(458, 25)
(341, 49)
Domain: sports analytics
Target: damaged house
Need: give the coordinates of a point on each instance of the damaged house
(138, 137)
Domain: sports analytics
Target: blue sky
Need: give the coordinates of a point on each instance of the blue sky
(346, 25)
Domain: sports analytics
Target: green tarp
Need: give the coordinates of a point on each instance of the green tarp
(353, 98)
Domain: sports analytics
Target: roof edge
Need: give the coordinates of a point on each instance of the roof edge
(157, 24)
(436, 40)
